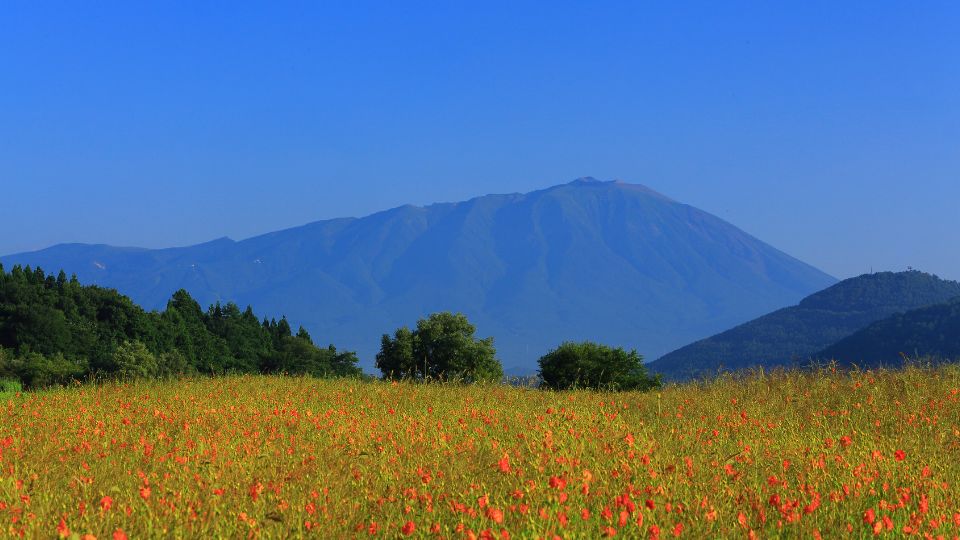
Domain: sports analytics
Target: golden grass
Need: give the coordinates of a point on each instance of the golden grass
(784, 455)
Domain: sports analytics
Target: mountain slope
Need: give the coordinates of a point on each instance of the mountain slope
(794, 334)
(607, 261)
(932, 331)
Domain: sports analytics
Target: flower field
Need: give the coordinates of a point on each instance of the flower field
(785, 455)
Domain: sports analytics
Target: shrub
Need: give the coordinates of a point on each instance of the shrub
(591, 365)
(37, 371)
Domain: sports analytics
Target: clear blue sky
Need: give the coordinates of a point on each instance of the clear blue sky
(828, 129)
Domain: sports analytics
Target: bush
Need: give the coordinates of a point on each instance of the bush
(591, 365)
(37, 371)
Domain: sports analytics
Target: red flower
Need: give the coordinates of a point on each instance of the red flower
(145, 492)
(119, 535)
(900, 455)
(256, 490)
(62, 529)
(504, 464)
(106, 502)
(408, 528)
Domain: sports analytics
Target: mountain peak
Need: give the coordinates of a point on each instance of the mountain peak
(591, 259)
(587, 180)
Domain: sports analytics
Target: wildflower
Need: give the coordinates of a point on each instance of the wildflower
(255, 491)
(145, 492)
(106, 502)
(119, 535)
(408, 528)
(900, 455)
(62, 528)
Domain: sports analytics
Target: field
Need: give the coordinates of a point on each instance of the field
(782, 455)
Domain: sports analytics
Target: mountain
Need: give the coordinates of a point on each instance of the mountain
(608, 261)
(794, 334)
(932, 331)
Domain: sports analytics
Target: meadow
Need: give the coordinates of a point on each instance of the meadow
(791, 454)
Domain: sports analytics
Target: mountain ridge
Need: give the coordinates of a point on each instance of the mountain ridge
(609, 261)
(793, 335)
(930, 332)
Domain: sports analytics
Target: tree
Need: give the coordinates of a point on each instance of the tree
(134, 360)
(443, 347)
(591, 365)
(54, 330)
(395, 359)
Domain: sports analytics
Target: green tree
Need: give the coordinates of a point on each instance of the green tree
(395, 359)
(443, 347)
(53, 330)
(591, 365)
(134, 360)
(37, 371)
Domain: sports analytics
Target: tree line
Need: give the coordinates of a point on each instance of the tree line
(54, 330)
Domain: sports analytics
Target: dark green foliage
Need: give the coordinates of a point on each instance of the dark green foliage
(932, 333)
(442, 347)
(591, 365)
(53, 330)
(791, 336)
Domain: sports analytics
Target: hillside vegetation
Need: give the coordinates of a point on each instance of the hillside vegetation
(54, 330)
(793, 335)
(799, 455)
(932, 331)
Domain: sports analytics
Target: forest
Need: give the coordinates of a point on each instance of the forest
(54, 330)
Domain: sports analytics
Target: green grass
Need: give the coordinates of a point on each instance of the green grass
(9, 387)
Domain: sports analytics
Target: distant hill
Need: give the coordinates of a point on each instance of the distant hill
(794, 334)
(932, 332)
(607, 261)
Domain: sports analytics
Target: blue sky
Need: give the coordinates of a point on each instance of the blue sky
(828, 129)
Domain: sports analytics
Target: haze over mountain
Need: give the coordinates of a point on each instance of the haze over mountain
(608, 261)
(793, 335)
